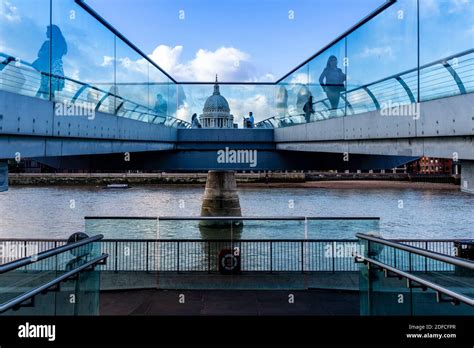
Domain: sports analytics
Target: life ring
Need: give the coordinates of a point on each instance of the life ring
(229, 262)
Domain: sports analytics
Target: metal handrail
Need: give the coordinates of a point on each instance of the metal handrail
(32, 293)
(421, 281)
(191, 218)
(48, 253)
(85, 86)
(243, 240)
(397, 76)
(422, 252)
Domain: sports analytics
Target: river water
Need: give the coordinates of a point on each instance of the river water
(57, 212)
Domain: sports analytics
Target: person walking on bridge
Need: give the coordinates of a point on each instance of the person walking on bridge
(332, 81)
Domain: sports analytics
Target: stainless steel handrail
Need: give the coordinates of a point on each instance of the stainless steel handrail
(185, 218)
(29, 294)
(48, 253)
(371, 84)
(421, 281)
(430, 254)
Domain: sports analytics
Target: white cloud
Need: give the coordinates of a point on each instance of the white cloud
(258, 104)
(9, 12)
(459, 5)
(429, 8)
(433, 7)
(299, 78)
(231, 64)
(107, 61)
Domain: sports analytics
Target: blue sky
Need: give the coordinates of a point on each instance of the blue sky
(267, 43)
(255, 42)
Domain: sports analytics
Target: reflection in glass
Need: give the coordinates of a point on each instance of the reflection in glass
(332, 81)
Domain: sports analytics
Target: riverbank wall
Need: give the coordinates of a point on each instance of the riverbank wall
(102, 179)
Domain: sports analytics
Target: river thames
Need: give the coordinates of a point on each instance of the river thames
(58, 211)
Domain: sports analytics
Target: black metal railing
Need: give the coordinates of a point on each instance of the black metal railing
(198, 255)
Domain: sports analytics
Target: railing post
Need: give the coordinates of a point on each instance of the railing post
(302, 256)
(271, 256)
(333, 257)
(177, 258)
(147, 256)
(116, 256)
(394, 257)
(426, 259)
(208, 257)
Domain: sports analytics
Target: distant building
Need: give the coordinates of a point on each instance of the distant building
(216, 112)
(428, 165)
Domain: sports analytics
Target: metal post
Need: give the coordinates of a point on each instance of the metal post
(116, 256)
(208, 257)
(177, 258)
(302, 256)
(333, 257)
(271, 257)
(147, 256)
(426, 259)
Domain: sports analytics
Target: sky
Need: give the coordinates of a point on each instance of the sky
(241, 40)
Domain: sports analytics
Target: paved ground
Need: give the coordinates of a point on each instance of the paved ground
(229, 302)
(129, 280)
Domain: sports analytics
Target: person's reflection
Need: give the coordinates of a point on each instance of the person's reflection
(332, 81)
(42, 63)
(114, 100)
(282, 101)
(161, 107)
(308, 109)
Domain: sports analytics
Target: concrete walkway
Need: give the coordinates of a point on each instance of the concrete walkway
(229, 302)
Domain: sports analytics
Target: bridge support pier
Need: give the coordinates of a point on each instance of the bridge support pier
(467, 176)
(3, 175)
(220, 198)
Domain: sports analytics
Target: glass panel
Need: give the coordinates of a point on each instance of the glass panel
(83, 52)
(298, 93)
(73, 297)
(327, 83)
(378, 52)
(146, 228)
(132, 88)
(160, 102)
(24, 47)
(446, 34)
(242, 99)
(389, 295)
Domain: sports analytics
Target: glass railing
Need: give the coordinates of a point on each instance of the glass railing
(258, 98)
(56, 50)
(413, 51)
(398, 279)
(292, 244)
(59, 281)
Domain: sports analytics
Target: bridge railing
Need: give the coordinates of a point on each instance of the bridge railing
(394, 280)
(21, 77)
(56, 50)
(453, 75)
(257, 255)
(55, 274)
(410, 52)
